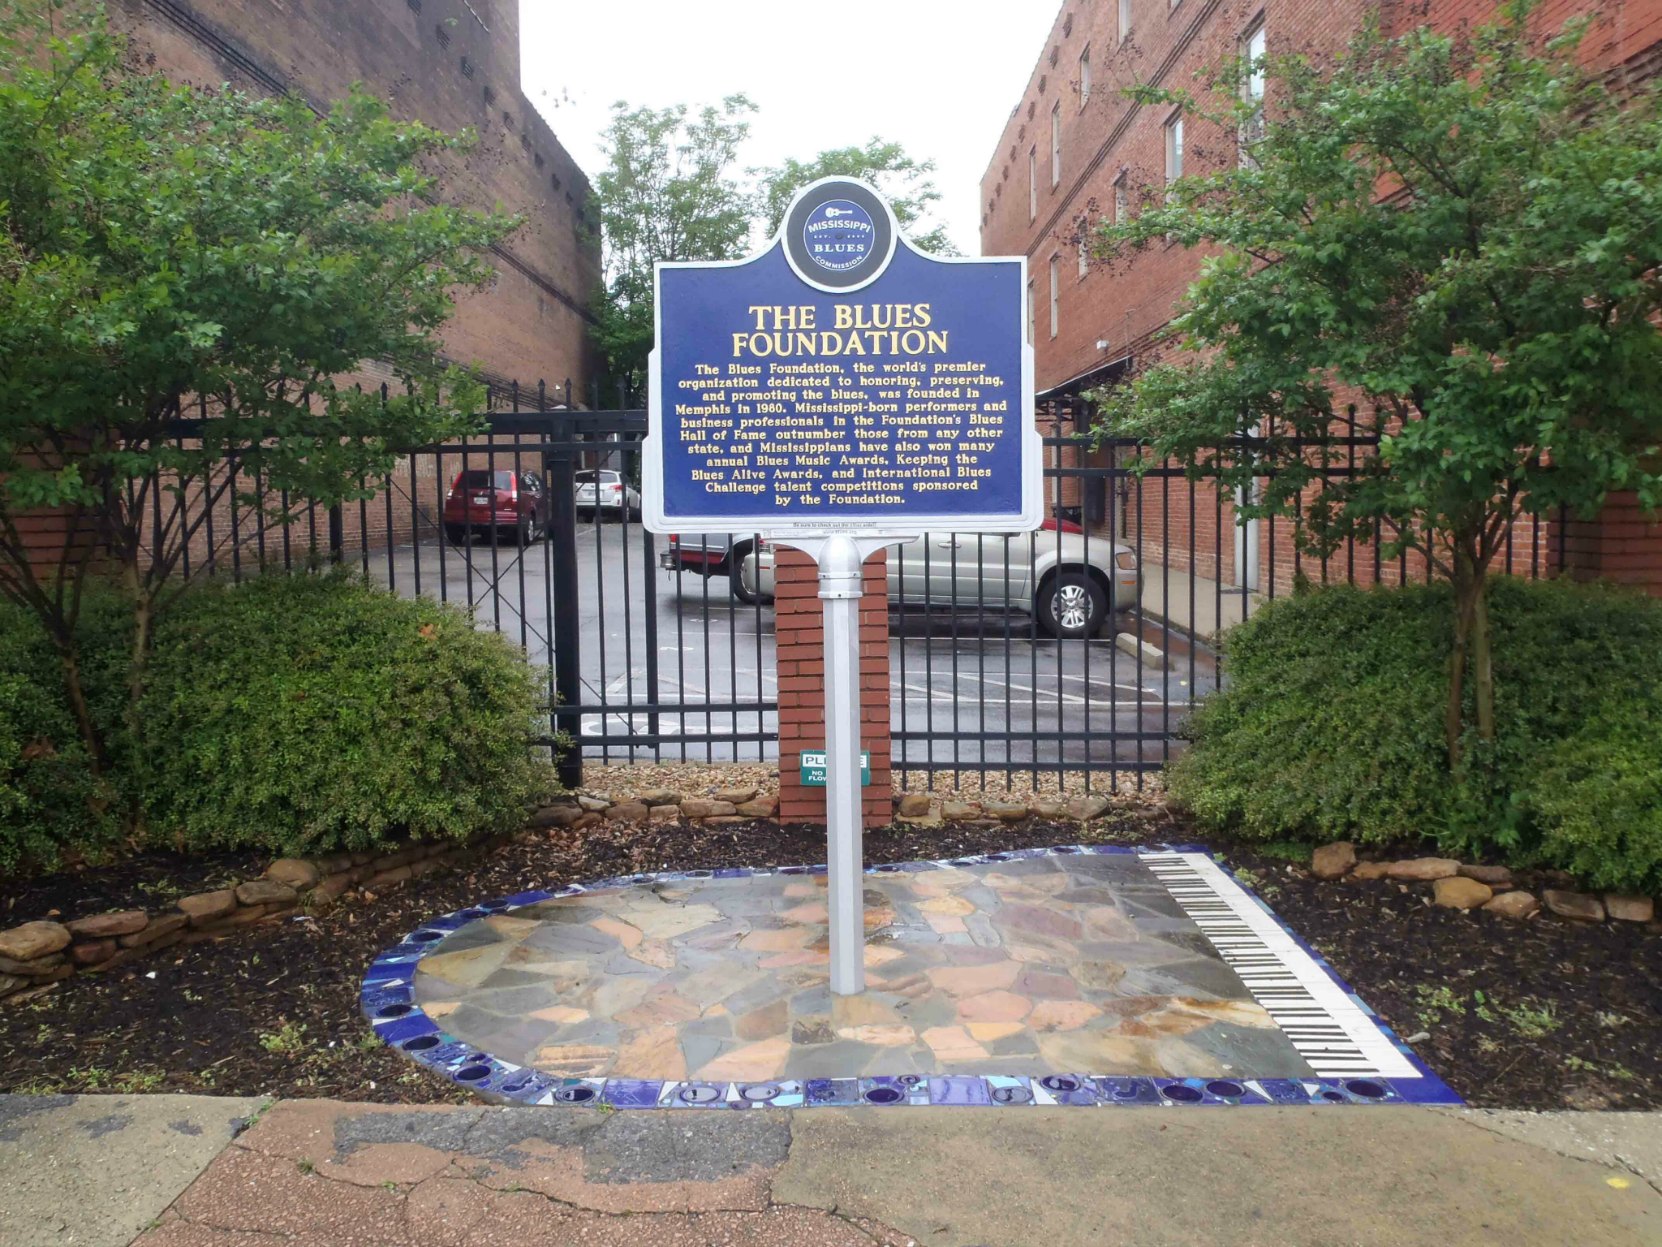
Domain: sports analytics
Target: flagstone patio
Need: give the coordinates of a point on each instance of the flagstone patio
(1080, 962)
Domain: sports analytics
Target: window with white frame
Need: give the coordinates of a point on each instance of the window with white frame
(1119, 200)
(1125, 19)
(1032, 182)
(1056, 143)
(1032, 314)
(1055, 294)
(1253, 49)
(1083, 243)
(1174, 148)
(1085, 77)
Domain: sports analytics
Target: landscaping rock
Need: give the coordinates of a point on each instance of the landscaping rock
(1371, 870)
(1422, 869)
(265, 892)
(1577, 906)
(762, 807)
(558, 816)
(627, 812)
(106, 926)
(1047, 809)
(159, 927)
(921, 820)
(1084, 809)
(666, 813)
(206, 906)
(33, 940)
(91, 953)
(959, 811)
(297, 874)
(33, 968)
(1630, 908)
(589, 819)
(596, 803)
(698, 808)
(1515, 904)
(1458, 892)
(659, 796)
(1333, 861)
(1492, 875)
(915, 805)
(735, 796)
(1006, 811)
(9, 983)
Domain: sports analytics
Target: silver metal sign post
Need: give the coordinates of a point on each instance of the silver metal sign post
(841, 561)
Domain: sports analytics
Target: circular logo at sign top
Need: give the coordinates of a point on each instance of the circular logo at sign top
(839, 235)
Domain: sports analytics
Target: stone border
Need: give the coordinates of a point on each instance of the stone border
(387, 998)
(36, 955)
(1492, 889)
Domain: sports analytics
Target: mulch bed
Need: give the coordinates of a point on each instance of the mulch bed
(1541, 1014)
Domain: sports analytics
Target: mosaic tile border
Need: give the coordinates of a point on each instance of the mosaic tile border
(388, 1002)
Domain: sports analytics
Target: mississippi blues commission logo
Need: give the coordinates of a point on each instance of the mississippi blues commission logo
(839, 235)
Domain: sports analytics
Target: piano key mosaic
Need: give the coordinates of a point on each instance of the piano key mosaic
(1078, 975)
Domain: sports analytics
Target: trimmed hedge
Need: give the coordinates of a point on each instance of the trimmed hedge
(292, 714)
(308, 713)
(1330, 727)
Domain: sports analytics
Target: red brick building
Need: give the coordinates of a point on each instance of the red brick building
(452, 64)
(1076, 151)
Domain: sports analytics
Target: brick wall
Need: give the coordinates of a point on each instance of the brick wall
(452, 65)
(800, 636)
(1113, 153)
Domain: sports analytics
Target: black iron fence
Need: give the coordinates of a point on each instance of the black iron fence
(1079, 648)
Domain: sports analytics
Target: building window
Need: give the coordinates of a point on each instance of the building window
(1084, 245)
(1031, 314)
(1119, 200)
(1056, 143)
(415, 5)
(1125, 20)
(1055, 296)
(1085, 77)
(467, 68)
(1174, 148)
(443, 35)
(1032, 183)
(1253, 48)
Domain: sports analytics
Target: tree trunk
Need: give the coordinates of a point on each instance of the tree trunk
(1467, 590)
(69, 655)
(1483, 669)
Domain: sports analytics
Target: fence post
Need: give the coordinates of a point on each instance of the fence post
(337, 534)
(568, 664)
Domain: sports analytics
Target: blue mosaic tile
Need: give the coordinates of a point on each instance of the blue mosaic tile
(387, 1001)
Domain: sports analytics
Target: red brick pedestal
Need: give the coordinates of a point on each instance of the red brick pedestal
(800, 633)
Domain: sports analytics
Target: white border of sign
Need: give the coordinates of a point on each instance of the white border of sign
(805, 524)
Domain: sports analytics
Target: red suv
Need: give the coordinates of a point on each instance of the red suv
(498, 503)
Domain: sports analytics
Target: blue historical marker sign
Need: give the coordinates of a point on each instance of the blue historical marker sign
(842, 382)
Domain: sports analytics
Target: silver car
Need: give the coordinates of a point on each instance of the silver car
(1070, 583)
(606, 492)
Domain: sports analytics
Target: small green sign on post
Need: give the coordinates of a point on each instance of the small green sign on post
(813, 768)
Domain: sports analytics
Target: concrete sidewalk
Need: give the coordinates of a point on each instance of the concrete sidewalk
(95, 1171)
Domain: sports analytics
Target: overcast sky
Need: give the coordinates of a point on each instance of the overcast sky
(938, 76)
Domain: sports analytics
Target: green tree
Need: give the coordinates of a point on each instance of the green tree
(1463, 233)
(166, 248)
(668, 192)
(906, 183)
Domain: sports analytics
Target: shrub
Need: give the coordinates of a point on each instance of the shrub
(52, 807)
(306, 713)
(1330, 726)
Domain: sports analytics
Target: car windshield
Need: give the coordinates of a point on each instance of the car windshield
(479, 478)
(589, 478)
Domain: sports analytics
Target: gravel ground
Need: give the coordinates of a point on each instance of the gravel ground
(698, 779)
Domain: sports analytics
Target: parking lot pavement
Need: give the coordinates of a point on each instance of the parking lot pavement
(967, 684)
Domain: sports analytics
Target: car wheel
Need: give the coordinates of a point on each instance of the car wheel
(457, 534)
(735, 575)
(1071, 605)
